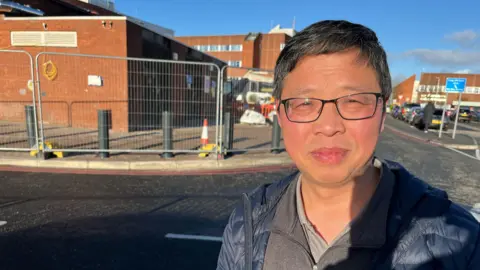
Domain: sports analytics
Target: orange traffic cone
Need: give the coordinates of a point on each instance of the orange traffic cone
(204, 138)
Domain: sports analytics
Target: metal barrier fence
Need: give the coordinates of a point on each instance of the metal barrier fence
(247, 94)
(96, 104)
(18, 110)
(135, 92)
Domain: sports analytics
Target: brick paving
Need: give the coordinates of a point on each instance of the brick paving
(246, 137)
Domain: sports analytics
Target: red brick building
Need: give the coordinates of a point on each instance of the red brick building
(403, 92)
(136, 92)
(431, 87)
(252, 50)
(432, 81)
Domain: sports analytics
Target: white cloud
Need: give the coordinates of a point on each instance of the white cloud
(447, 58)
(465, 38)
(464, 71)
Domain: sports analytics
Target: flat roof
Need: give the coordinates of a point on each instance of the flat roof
(136, 21)
(63, 18)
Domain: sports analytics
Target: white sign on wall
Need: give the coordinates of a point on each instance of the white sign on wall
(435, 88)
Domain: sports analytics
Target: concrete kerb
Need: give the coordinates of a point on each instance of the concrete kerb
(434, 142)
(165, 166)
(462, 146)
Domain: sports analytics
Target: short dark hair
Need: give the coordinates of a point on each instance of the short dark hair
(332, 36)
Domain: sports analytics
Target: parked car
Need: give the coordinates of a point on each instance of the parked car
(476, 116)
(410, 114)
(406, 109)
(396, 111)
(464, 115)
(435, 123)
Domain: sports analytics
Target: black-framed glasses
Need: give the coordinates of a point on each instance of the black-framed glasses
(352, 107)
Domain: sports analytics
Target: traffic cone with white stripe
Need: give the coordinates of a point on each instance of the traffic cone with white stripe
(204, 137)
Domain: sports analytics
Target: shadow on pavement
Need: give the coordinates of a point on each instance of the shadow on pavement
(133, 241)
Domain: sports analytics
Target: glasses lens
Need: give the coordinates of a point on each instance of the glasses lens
(357, 106)
(303, 109)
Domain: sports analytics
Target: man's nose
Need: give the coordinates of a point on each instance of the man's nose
(330, 122)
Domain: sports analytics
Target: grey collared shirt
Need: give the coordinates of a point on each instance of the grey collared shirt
(318, 246)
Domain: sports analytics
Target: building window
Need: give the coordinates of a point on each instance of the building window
(282, 45)
(224, 48)
(235, 63)
(219, 48)
(236, 48)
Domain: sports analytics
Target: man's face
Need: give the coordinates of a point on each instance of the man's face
(330, 150)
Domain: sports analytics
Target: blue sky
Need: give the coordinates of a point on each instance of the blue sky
(418, 35)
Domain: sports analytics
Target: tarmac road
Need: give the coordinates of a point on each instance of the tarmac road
(465, 135)
(62, 221)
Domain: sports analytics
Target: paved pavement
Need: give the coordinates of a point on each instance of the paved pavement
(245, 137)
(75, 221)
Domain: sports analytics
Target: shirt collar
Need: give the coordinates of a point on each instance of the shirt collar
(370, 228)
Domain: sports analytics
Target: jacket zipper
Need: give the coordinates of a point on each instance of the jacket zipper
(248, 225)
(293, 240)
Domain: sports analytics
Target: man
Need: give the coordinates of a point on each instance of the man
(345, 208)
(428, 115)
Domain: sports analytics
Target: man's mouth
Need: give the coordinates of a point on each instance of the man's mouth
(329, 155)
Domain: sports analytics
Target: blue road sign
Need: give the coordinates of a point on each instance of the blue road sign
(455, 85)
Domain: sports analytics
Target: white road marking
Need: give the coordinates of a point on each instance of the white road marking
(477, 151)
(2, 223)
(465, 154)
(193, 237)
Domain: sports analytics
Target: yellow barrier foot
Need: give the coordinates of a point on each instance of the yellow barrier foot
(49, 146)
(208, 147)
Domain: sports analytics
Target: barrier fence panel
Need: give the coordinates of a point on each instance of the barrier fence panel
(135, 93)
(247, 95)
(18, 113)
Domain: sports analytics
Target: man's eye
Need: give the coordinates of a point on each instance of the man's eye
(353, 101)
(305, 103)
